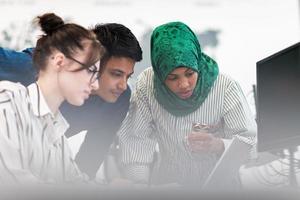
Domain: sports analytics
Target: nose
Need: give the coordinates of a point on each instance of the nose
(183, 83)
(122, 85)
(95, 85)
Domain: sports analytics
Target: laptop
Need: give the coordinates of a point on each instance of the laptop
(226, 171)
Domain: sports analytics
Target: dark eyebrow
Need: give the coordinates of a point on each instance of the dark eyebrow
(117, 70)
(188, 70)
(120, 71)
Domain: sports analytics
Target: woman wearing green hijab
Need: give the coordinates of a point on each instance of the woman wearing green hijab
(183, 87)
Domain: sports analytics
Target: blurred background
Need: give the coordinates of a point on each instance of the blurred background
(236, 33)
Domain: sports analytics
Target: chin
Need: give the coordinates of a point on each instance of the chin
(76, 102)
(111, 100)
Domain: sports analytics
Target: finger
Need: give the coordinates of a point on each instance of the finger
(199, 136)
(199, 149)
(200, 146)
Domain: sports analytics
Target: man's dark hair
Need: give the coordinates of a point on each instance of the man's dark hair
(119, 41)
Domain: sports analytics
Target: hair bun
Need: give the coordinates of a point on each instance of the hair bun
(50, 22)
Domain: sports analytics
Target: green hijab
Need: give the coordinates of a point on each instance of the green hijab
(173, 45)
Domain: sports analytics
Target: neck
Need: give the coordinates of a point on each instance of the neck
(51, 93)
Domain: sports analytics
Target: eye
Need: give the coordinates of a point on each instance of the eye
(116, 74)
(171, 78)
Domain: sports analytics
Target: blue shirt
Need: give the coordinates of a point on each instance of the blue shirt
(100, 118)
(17, 66)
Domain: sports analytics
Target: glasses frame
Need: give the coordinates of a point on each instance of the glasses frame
(95, 73)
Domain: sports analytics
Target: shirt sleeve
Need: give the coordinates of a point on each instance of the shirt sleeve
(13, 168)
(17, 66)
(136, 136)
(238, 118)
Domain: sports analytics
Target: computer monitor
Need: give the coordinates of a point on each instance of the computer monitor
(278, 100)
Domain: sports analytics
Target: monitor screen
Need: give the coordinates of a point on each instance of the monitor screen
(278, 100)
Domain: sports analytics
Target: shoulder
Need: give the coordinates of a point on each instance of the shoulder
(28, 51)
(8, 54)
(144, 84)
(225, 78)
(12, 93)
(147, 73)
(12, 86)
(17, 66)
(145, 79)
(230, 86)
(12, 90)
(224, 81)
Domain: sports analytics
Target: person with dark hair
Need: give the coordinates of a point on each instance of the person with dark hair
(33, 147)
(186, 106)
(103, 112)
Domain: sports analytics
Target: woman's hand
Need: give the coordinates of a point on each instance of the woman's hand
(201, 142)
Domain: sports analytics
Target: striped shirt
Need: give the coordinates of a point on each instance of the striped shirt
(33, 148)
(148, 123)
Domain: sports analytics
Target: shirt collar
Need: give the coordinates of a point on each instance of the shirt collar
(37, 99)
(41, 109)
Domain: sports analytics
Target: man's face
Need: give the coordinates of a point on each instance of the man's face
(113, 80)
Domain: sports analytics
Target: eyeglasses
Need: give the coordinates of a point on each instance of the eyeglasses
(95, 74)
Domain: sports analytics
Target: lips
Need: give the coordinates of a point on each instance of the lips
(185, 94)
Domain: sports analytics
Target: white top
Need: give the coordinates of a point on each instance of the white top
(148, 123)
(33, 147)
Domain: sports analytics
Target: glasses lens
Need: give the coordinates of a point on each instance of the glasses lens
(95, 76)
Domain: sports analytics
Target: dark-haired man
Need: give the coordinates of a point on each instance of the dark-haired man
(103, 112)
